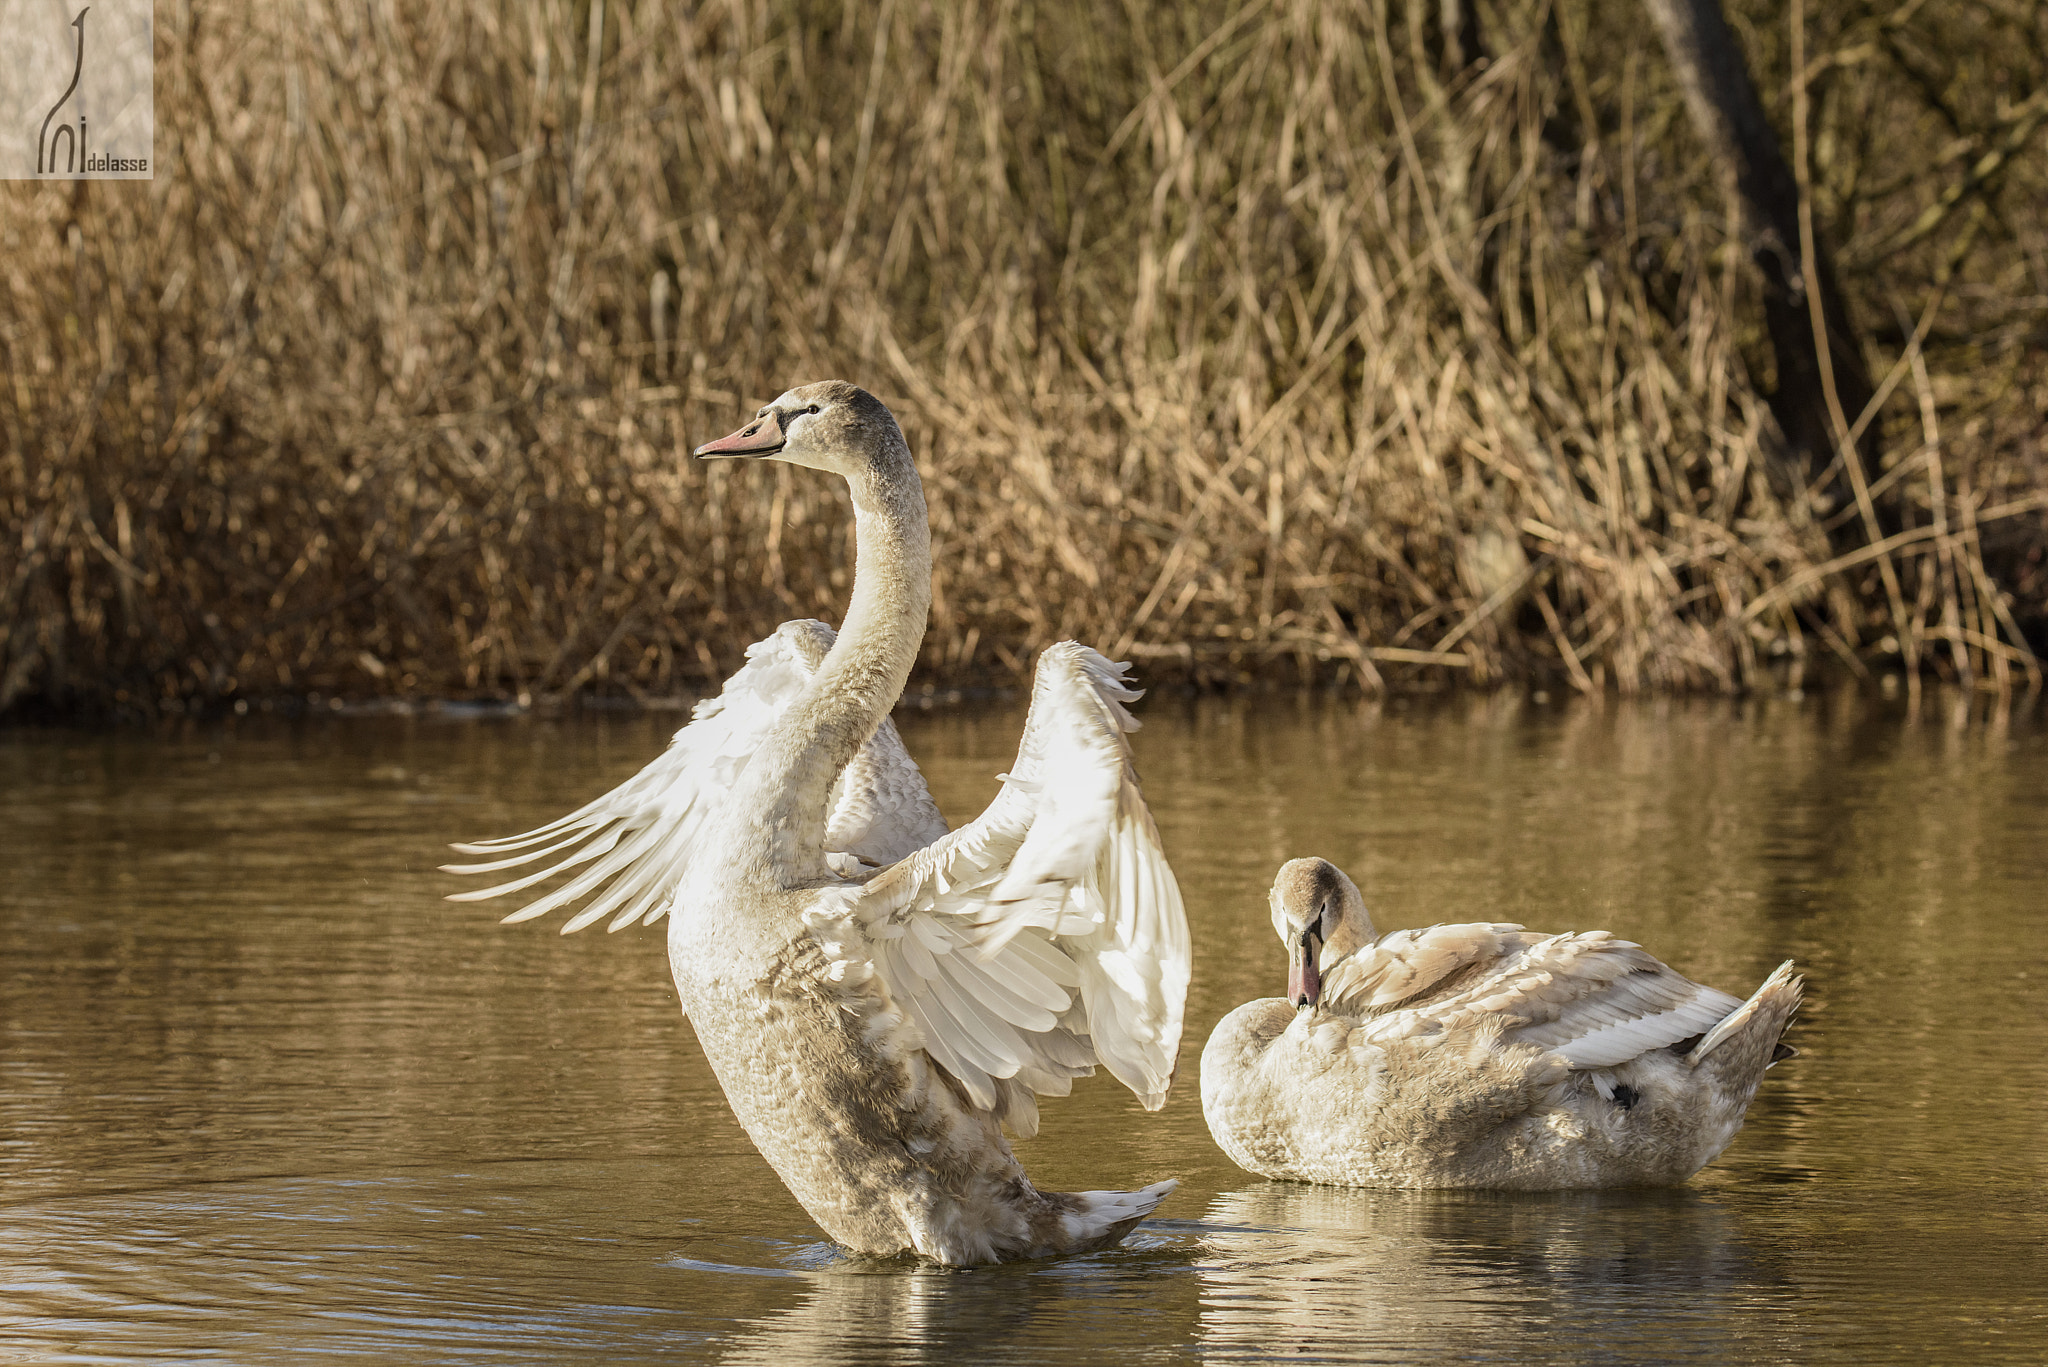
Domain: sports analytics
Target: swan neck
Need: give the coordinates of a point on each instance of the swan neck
(861, 676)
(1354, 933)
(892, 596)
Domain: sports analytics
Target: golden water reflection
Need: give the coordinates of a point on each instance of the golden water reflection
(263, 1094)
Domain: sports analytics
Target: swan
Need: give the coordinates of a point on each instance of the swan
(1479, 1055)
(879, 997)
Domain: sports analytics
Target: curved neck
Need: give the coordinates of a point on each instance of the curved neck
(1354, 932)
(781, 801)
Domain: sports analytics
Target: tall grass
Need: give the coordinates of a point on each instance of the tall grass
(1247, 337)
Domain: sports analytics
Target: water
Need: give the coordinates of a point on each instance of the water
(265, 1098)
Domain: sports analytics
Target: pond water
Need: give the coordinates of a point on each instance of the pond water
(264, 1097)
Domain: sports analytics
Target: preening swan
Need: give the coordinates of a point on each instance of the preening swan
(879, 996)
(1479, 1055)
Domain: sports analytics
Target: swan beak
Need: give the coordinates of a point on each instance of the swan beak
(761, 437)
(1304, 980)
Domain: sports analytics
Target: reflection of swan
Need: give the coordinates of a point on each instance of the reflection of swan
(842, 1315)
(1479, 1055)
(882, 1314)
(1336, 1274)
(1109, 1307)
(878, 996)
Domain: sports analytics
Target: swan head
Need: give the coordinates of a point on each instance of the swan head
(831, 426)
(1321, 918)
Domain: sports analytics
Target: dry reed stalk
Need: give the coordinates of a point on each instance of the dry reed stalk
(1244, 337)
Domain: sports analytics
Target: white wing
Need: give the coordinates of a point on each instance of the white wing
(1594, 1000)
(1046, 936)
(1410, 966)
(639, 838)
(1600, 1001)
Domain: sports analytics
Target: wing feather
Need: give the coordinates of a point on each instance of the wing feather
(1055, 967)
(986, 987)
(917, 956)
(1053, 933)
(1594, 1000)
(1407, 966)
(978, 1037)
(640, 837)
(1019, 978)
(979, 1086)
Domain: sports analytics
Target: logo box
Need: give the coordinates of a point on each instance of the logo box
(76, 90)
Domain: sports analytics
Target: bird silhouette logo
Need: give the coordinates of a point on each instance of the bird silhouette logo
(46, 141)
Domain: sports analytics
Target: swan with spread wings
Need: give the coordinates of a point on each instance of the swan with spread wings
(880, 996)
(1480, 1055)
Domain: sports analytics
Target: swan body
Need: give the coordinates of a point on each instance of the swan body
(1480, 1055)
(878, 996)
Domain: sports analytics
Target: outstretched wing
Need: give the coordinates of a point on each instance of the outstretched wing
(640, 837)
(1046, 936)
(1590, 998)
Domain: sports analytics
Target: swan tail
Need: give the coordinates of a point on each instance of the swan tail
(1747, 1039)
(1002, 1220)
(1729, 1062)
(1101, 1219)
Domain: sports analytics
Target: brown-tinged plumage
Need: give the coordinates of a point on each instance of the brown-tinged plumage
(1480, 1055)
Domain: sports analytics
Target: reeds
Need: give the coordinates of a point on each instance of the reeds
(1277, 337)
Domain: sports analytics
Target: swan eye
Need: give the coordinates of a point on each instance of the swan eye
(812, 409)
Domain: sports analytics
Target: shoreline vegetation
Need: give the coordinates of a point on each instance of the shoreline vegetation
(1404, 345)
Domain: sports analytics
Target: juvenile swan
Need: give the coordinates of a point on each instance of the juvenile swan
(878, 996)
(1479, 1055)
